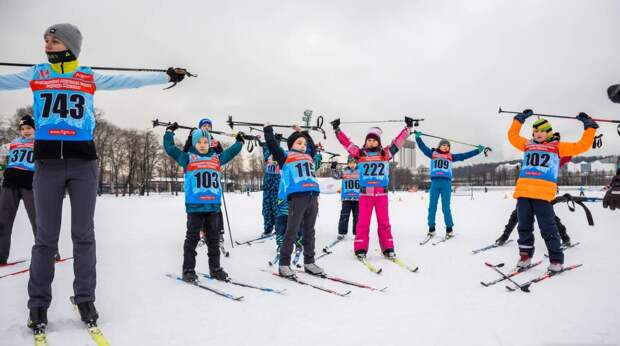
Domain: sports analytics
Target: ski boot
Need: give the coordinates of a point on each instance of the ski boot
(565, 241)
(449, 232)
(555, 267)
(37, 320)
(360, 254)
(189, 275)
(266, 233)
(389, 253)
(218, 274)
(502, 239)
(313, 269)
(431, 231)
(286, 272)
(524, 262)
(88, 313)
(340, 237)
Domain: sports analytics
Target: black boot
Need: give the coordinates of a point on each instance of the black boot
(37, 320)
(431, 231)
(360, 254)
(449, 233)
(218, 274)
(88, 313)
(565, 240)
(189, 275)
(502, 239)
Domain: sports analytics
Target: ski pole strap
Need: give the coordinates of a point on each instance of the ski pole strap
(570, 203)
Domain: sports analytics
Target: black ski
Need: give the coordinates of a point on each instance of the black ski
(237, 283)
(492, 246)
(301, 282)
(513, 273)
(260, 239)
(444, 239)
(210, 289)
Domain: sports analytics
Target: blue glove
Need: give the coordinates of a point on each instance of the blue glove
(480, 148)
(418, 134)
(588, 123)
(521, 117)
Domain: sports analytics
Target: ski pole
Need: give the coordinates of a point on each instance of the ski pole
(103, 68)
(500, 111)
(486, 149)
(227, 221)
(319, 125)
(416, 122)
(251, 139)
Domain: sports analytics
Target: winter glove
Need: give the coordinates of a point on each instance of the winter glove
(409, 122)
(176, 74)
(336, 124)
(334, 165)
(418, 134)
(523, 115)
(480, 148)
(614, 93)
(172, 127)
(279, 137)
(588, 123)
(240, 137)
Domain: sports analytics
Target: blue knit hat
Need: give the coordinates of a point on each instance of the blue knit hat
(198, 134)
(205, 121)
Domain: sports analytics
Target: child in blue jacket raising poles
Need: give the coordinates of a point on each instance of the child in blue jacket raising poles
(203, 194)
(441, 179)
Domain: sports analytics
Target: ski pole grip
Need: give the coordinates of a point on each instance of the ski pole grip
(486, 151)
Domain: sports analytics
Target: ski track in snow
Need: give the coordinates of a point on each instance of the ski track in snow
(139, 239)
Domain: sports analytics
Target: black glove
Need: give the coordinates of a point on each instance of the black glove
(240, 137)
(523, 115)
(172, 127)
(588, 123)
(614, 93)
(176, 74)
(279, 137)
(409, 122)
(334, 165)
(336, 124)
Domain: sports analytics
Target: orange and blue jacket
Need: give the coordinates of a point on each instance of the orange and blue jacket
(541, 162)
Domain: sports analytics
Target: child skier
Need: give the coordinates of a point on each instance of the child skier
(441, 179)
(301, 190)
(17, 183)
(349, 194)
(537, 183)
(203, 194)
(512, 220)
(271, 183)
(64, 154)
(373, 168)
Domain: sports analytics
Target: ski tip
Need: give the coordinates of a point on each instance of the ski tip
(484, 284)
(346, 294)
(510, 289)
(383, 289)
(525, 288)
(380, 270)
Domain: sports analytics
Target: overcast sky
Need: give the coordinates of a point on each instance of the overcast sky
(451, 62)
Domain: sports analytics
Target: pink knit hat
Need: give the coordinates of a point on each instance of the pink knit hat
(374, 133)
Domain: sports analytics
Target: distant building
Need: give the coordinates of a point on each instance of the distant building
(407, 157)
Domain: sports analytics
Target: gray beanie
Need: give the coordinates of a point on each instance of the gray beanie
(444, 141)
(69, 34)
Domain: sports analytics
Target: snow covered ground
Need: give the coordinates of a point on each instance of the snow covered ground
(140, 239)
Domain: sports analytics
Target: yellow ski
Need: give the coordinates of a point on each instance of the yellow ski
(40, 339)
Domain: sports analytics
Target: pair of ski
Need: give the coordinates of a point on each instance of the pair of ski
(296, 279)
(525, 287)
(229, 281)
(40, 335)
(394, 260)
(28, 269)
(429, 237)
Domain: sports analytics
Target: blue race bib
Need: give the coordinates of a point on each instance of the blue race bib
(202, 180)
(541, 161)
(21, 154)
(298, 174)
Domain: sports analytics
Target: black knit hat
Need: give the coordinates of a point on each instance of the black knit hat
(26, 120)
(292, 138)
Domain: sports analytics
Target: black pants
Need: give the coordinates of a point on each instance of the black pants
(302, 209)
(527, 208)
(513, 220)
(348, 208)
(195, 223)
(10, 197)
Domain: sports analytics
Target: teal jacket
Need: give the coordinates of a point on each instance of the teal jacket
(182, 159)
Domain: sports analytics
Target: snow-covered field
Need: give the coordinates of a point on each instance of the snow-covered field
(140, 239)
